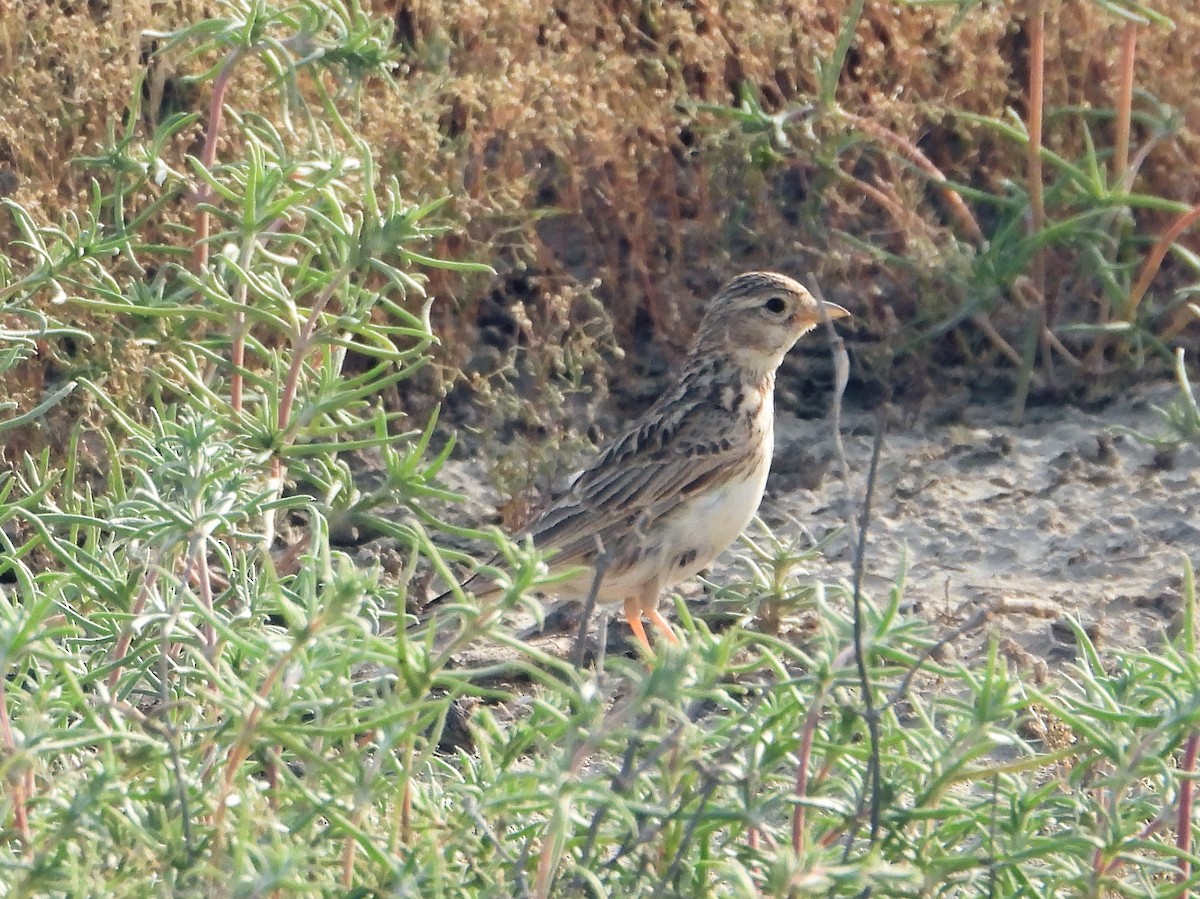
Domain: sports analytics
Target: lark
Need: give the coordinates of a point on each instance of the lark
(669, 494)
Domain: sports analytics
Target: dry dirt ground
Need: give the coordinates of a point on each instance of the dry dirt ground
(1065, 514)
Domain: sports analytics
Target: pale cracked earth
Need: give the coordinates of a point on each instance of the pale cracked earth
(1066, 513)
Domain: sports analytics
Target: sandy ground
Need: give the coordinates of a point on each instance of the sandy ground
(1066, 513)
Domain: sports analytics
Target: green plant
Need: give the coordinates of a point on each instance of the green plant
(203, 693)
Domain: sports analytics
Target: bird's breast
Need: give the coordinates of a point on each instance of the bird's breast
(714, 520)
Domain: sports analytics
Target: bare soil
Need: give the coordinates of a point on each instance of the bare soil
(1067, 513)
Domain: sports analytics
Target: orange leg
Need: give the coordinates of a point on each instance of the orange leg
(662, 624)
(633, 614)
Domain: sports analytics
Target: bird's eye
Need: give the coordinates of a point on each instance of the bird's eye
(775, 305)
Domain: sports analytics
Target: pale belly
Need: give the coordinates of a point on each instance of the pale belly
(690, 540)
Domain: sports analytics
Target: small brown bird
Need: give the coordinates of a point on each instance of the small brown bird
(679, 485)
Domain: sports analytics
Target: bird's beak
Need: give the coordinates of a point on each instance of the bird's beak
(834, 311)
(811, 316)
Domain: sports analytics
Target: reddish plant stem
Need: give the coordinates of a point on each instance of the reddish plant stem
(1187, 788)
(1124, 103)
(1037, 78)
(291, 383)
(123, 641)
(348, 851)
(801, 791)
(1112, 866)
(240, 751)
(406, 834)
(1150, 269)
(886, 197)
(208, 154)
(301, 347)
(806, 741)
(1157, 254)
(20, 787)
(913, 154)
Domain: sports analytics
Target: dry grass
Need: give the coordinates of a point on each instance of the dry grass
(573, 141)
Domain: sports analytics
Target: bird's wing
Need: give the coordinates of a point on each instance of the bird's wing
(677, 449)
(646, 473)
(613, 503)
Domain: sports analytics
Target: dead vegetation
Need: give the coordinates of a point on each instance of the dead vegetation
(621, 158)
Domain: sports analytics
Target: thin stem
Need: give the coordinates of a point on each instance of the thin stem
(841, 369)
(589, 606)
(121, 649)
(1043, 314)
(860, 655)
(913, 154)
(237, 349)
(802, 763)
(1155, 259)
(20, 787)
(1187, 789)
(241, 748)
(205, 586)
(303, 344)
(208, 154)
(1037, 76)
(799, 813)
(291, 384)
(1124, 102)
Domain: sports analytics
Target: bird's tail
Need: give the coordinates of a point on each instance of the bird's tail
(475, 584)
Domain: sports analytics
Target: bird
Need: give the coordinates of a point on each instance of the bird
(677, 486)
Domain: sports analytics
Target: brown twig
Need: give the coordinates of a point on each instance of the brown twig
(874, 792)
(984, 324)
(885, 197)
(1043, 313)
(874, 773)
(978, 620)
(589, 606)
(841, 371)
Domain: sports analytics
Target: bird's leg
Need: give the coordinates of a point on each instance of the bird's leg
(662, 624)
(633, 614)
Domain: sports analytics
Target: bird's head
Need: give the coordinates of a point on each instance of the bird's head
(757, 317)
